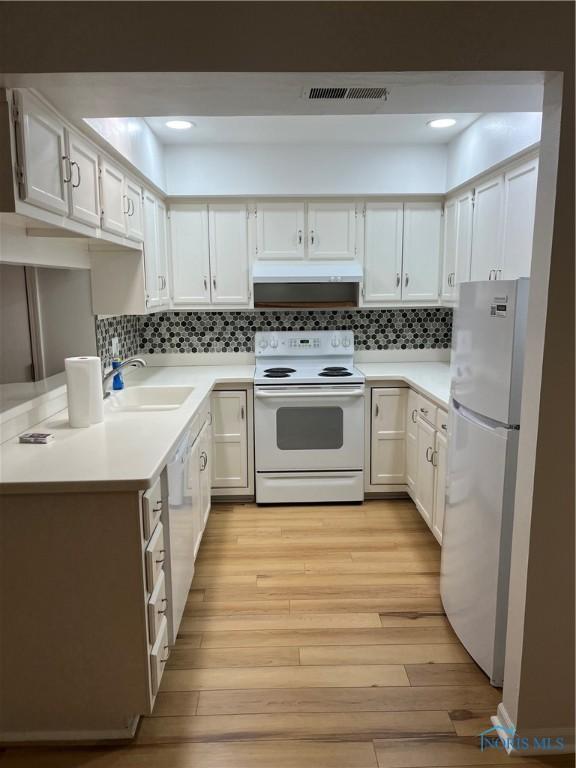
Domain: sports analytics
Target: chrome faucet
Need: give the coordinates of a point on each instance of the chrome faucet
(136, 362)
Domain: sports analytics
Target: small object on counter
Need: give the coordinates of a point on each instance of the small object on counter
(38, 438)
(84, 390)
(118, 380)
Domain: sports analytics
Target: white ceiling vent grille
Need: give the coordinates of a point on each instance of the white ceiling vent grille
(356, 93)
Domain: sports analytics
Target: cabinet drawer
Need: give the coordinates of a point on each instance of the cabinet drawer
(442, 421)
(159, 656)
(155, 556)
(157, 607)
(427, 410)
(151, 508)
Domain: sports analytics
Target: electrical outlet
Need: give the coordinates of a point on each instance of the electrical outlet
(115, 346)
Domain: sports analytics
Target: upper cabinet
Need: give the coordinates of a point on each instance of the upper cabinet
(519, 212)
(210, 255)
(295, 230)
(421, 252)
(449, 250)
(122, 203)
(84, 192)
(487, 233)
(280, 231)
(332, 230)
(155, 252)
(383, 252)
(457, 243)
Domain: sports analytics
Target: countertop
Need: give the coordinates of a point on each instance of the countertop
(128, 449)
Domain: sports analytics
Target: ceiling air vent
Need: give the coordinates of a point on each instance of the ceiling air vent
(345, 94)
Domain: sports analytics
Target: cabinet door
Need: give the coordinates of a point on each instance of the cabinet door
(439, 461)
(464, 208)
(113, 199)
(229, 260)
(519, 212)
(205, 463)
(383, 252)
(280, 231)
(411, 440)
(449, 250)
(150, 251)
(425, 471)
(189, 254)
(134, 224)
(162, 254)
(332, 231)
(487, 230)
(44, 167)
(421, 257)
(84, 187)
(229, 440)
(388, 454)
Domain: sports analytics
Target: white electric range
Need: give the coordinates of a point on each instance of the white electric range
(309, 418)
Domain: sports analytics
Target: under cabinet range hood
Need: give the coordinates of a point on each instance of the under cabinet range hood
(306, 283)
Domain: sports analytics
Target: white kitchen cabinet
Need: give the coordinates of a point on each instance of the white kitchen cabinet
(162, 253)
(383, 252)
(229, 440)
(229, 255)
(190, 254)
(487, 230)
(464, 212)
(332, 230)
(84, 188)
(421, 252)
(134, 223)
(439, 461)
(518, 225)
(150, 251)
(388, 449)
(411, 440)
(424, 496)
(113, 199)
(449, 250)
(280, 230)
(205, 469)
(43, 169)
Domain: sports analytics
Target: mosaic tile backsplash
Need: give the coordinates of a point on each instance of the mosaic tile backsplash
(374, 329)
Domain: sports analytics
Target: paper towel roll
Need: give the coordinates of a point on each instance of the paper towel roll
(84, 387)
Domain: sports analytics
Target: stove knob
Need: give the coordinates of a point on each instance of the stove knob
(262, 343)
(346, 341)
(273, 342)
(335, 341)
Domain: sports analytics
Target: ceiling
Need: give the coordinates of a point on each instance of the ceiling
(318, 129)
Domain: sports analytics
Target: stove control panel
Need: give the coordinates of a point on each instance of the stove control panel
(303, 343)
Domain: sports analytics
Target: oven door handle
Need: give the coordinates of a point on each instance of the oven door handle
(326, 393)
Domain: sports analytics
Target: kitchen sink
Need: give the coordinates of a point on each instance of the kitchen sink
(148, 398)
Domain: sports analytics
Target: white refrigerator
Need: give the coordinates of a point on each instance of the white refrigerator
(485, 397)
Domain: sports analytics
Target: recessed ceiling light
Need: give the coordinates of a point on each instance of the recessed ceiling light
(179, 125)
(442, 122)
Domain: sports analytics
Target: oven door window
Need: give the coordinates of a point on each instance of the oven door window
(312, 428)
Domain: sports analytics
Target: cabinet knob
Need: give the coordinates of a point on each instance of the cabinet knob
(429, 452)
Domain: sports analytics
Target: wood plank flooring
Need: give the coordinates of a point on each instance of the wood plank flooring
(313, 637)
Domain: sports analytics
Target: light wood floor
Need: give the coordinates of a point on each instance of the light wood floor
(314, 637)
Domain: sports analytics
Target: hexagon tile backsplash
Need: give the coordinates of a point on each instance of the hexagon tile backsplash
(374, 329)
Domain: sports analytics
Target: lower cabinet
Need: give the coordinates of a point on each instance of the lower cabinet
(439, 461)
(230, 463)
(411, 439)
(424, 495)
(388, 436)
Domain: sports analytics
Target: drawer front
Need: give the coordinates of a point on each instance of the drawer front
(427, 410)
(157, 606)
(155, 555)
(442, 421)
(159, 656)
(151, 508)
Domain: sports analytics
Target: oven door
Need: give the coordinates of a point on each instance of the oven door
(314, 427)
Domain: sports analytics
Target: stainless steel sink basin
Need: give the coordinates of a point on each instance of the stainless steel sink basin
(148, 398)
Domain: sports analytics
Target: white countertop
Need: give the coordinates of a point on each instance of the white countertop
(128, 449)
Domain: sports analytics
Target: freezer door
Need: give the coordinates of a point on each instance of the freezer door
(471, 578)
(487, 348)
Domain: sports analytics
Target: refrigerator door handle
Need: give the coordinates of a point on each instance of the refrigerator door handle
(482, 421)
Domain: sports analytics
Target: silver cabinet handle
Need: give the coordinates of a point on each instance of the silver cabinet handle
(444, 427)
(203, 461)
(205, 284)
(68, 168)
(127, 201)
(424, 411)
(242, 412)
(414, 415)
(428, 455)
(492, 275)
(214, 282)
(74, 164)
(397, 279)
(130, 207)
(165, 659)
(299, 237)
(406, 279)
(434, 459)
(377, 411)
(165, 604)
(312, 237)
(158, 507)
(163, 553)
(498, 274)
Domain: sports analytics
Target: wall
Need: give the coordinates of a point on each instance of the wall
(133, 138)
(201, 332)
(490, 140)
(16, 358)
(276, 169)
